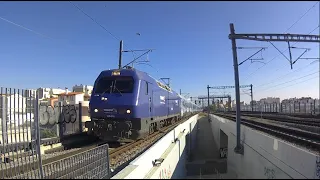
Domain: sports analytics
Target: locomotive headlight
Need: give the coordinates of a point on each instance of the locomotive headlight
(128, 111)
(95, 110)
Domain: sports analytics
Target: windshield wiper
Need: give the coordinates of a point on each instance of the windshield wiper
(112, 84)
(118, 90)
(104, 92)
(107, 90)
(116, 87)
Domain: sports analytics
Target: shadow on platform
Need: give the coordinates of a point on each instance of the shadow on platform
(204, 160)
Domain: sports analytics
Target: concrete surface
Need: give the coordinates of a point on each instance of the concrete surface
(205, 148)
(173, 153)
(205, 157)
(265, 156)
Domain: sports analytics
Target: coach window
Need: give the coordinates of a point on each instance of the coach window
(147, 88)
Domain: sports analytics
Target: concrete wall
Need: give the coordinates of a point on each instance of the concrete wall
(264, 156)
(49, 117)
(173, 153)
(173, 166)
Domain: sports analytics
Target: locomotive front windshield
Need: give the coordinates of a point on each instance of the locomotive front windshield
(114, 84)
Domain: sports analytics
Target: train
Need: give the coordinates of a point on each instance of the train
(128, 104)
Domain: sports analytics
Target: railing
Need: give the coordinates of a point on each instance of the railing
(20, 142)
(26, 123)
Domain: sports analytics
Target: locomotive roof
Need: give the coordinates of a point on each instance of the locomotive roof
(141, 73)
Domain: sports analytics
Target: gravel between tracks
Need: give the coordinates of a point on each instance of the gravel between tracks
(289, 141)
(132, 153)
(293, 124)
(281, 124)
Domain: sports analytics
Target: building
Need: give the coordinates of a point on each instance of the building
(16, 108)
(288, 101)
(45, 93)
(302, 100)
(87, 90)
(270, 100)
(53, 102)
(11, 104)
(14, 111)
(243, 105)
(254, 102)
(233, 103)
(55, 92)
(70, 97)
(305, 100)
(83, 88)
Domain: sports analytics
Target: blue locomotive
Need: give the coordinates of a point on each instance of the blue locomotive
(128, 104)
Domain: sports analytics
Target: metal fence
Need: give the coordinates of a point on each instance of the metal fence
(292, 108)
(92, 164)
(25, 122)
(20, 142)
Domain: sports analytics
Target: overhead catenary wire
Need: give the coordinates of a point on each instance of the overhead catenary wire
(94, 20)
(290, 81)
(273, 81)
(284, 33)
(275, 57)
(302, 16)
(114, 36)
(296, 48)
(285, 75)
(25, 28)
(99, 24)
(295, 84)
(132, 52)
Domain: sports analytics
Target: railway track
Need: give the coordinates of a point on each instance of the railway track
(17, 151)
(66, 141)
(26, 145)
(298, 137)
(285, 118)
(298, 115)
(118, 158)
(121, 157)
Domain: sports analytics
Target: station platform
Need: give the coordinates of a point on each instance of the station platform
(203, 149)
(205, 161)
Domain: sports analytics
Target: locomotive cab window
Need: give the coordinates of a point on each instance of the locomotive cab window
(119, 84)
(123, 84)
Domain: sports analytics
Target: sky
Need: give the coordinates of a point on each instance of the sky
(53, 44)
